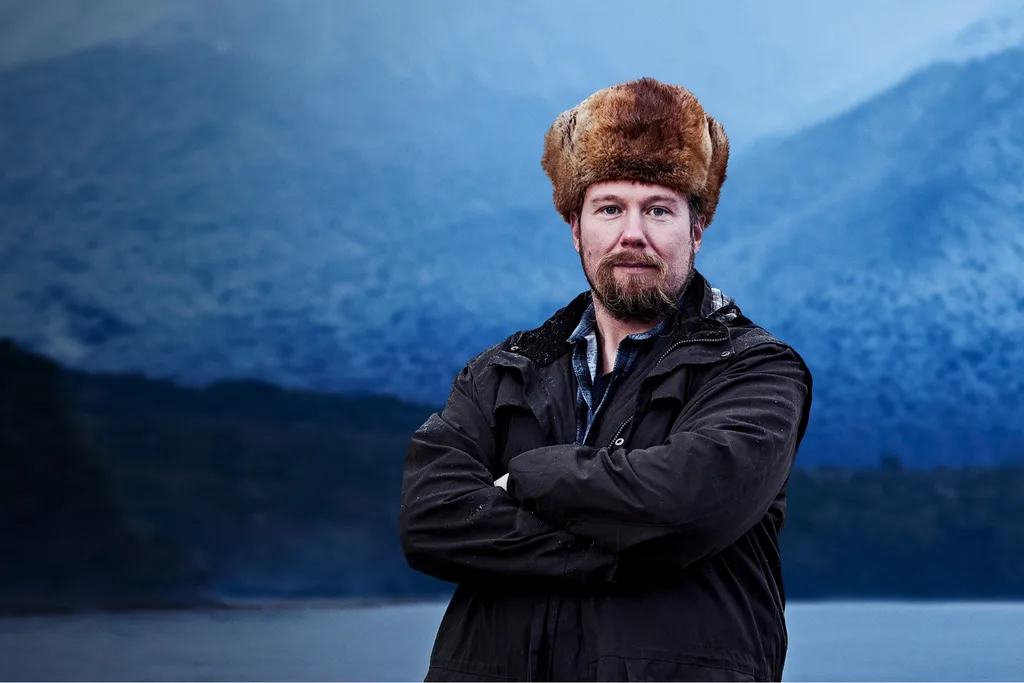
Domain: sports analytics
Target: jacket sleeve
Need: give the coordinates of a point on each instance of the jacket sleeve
(728, 456)
(457, 526)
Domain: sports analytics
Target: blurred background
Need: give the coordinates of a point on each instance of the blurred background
(246, 245)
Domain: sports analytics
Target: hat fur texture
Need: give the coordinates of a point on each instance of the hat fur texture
(644, 131)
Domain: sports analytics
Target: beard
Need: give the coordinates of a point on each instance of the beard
(642, 296)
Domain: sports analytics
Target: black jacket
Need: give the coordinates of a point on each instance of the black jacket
(649, 553)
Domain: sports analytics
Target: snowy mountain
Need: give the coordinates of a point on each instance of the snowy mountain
(194, 212)
(1002, 30)
(997, 25)
(768, 67)
(888, 245)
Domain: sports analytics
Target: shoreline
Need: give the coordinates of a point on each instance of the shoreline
(276, 604)
(221, 605)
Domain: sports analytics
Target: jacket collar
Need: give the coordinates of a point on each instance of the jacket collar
(701, 313)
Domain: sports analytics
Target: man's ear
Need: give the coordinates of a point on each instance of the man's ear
(697, 233)
(574, 221)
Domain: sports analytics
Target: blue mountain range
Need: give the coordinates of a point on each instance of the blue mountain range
(886, 244)
(194, 214)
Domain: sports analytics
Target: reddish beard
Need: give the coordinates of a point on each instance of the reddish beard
(632, 296)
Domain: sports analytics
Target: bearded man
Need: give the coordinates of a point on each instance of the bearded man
(607, 489)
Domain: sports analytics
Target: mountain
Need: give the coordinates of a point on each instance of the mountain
(993, 27)
(279, 493)
(190, 211)
(66, 540)
(123, 491)
(198, 215)
(887, 245)
(766, 68)
(1002, 30)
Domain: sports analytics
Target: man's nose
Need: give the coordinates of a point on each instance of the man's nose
(633, 229)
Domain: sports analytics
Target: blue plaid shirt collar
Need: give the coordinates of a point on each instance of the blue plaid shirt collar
(585, 357)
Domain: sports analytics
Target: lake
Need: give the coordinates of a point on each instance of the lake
(831, 641)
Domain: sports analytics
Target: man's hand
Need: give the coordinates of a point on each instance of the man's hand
(502, 482)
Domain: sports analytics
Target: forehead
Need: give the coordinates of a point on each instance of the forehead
(630, 191)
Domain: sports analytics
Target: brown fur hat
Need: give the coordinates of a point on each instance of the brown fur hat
(642, 130)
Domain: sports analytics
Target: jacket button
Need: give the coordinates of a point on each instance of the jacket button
(726, 353)
(619, 441)
(514, 347)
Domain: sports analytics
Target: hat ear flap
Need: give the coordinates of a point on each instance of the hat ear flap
(559, 161)
(716, 169)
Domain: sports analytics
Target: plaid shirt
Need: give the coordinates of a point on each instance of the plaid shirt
(585, 356)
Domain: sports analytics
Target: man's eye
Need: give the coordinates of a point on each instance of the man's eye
(610, 210)
(659, 211)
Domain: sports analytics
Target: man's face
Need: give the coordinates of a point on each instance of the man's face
(637, 247)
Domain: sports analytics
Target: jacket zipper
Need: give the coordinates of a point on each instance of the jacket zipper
(682, 342)
(619, 431)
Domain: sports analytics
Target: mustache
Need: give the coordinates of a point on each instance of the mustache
(632, 258)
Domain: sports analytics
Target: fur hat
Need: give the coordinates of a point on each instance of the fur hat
(642, 130)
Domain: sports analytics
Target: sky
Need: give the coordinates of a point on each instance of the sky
(766, 67)
(771, 65)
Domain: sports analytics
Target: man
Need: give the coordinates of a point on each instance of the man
(607, 489)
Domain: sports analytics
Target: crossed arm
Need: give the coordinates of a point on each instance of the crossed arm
(728, 456)
(456, 525)
(573, 510)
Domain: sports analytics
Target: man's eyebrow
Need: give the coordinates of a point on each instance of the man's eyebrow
(605, 198)
(664, 198)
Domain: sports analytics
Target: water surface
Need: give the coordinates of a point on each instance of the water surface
(828, 642)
